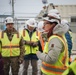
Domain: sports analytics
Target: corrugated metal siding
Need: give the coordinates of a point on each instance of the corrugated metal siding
(66, 11)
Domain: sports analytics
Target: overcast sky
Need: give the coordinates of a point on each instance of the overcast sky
(29, 6)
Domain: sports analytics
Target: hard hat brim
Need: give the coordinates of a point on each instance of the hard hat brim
(30, 25)
(52, 20)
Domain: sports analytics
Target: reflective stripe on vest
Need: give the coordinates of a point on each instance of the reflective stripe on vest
(10, 48)
(71, 70)
(52, 69)
(30, 49)
(59, 66)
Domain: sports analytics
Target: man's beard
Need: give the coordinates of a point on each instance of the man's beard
(10, 30)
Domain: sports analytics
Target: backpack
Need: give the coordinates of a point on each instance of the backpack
(69, 42)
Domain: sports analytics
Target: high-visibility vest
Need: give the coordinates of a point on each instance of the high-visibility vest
(46, 48)
(41, 40)
(10, 48)
(29, 49)
(72, 68)
(62, 63)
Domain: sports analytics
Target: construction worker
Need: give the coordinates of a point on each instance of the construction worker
(40, 32)
(32, 43)
(40, 26)
(1, 60)
(68, 37)
(12, 48)
(71, 70)
(42, 36)
(55, 55)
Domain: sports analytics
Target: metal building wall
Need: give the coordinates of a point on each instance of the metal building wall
(66, 12)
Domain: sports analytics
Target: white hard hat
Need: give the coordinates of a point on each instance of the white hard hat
(64, 21)
(54, 15)
(40, 26)
(51, 20)
(31, 22)
(54, 11)
(9, 20)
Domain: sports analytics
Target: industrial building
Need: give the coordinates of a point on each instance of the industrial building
(66, 11)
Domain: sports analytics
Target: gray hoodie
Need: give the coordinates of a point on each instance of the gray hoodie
(54, 52)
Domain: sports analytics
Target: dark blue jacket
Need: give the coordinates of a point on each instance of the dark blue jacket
(69, 41)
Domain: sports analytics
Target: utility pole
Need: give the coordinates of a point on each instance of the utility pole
(13, 9)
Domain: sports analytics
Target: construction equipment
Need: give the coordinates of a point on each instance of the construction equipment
(44, 12)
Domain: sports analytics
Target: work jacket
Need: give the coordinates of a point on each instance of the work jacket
(30, 49)
(61, 64)
(10, 48)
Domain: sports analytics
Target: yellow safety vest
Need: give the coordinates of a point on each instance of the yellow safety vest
(72, 67)
(29, 49)
(62, 63)
(10, 48)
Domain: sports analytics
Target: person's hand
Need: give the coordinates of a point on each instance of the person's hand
(34, 44)
(28, 43)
